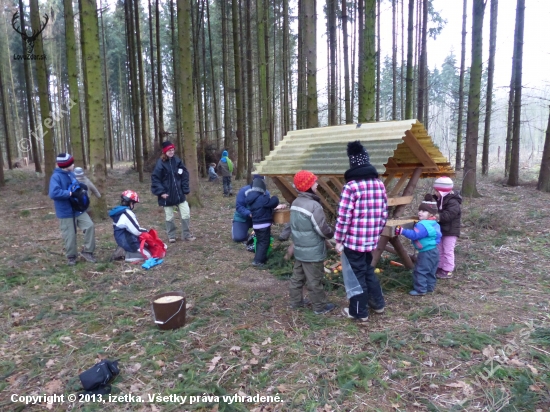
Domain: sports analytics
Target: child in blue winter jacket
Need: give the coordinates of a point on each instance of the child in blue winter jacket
(261, 208)
(126, 227)
(69, 219)
(425, 237)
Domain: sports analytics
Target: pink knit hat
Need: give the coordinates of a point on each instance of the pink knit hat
(444, 184)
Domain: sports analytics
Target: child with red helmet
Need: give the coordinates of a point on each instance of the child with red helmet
(127, 229)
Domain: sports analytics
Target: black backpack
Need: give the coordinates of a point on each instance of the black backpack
(96, 379)
(80, 201)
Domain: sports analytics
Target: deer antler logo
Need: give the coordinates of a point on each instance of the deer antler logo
(29, 40)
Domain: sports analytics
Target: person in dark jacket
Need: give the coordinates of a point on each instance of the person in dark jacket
(261, 208)
(449, 207)
(242, 218)
(126, 227)
(170, 182)
(309, 232)
(70, 219)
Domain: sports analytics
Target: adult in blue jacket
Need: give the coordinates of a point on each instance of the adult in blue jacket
(69, 219)
(242, 218)
(170, 183)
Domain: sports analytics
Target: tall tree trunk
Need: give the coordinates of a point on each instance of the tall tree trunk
(513, 177)
(423, 64)
(94, 100)
(202, 110)
(185, 48)
(155, 139)
(410, 69)
(160, 137)
(215, 113)
(394, 60)
(472, 123)
(134, 89)
(7, 132)
(310, 46)
(490, 75)
(141, 77)
(270, 116)
(347, 92)
(263, 86)
(510, 119)
(367, 81)
(332, 107)
(402, 68)
(47, 125)
(458, 160)
(4, 102)
(29, 92)
(378, 62)
(544, 175)
(302, 65)
(108, 113)
(227, 133)
(177, 91)
(286, 72)
(249, 91)
(238, 89)
(16, 132)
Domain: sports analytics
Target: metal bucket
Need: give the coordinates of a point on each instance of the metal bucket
(169, 315)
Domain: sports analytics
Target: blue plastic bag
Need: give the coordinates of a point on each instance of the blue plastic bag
(350, 280)
(149, 263)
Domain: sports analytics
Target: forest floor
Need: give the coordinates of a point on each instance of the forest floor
(481, 342)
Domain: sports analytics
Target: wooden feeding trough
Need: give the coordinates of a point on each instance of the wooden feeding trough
(402, 152)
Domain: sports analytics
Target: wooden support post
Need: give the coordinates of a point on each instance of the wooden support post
(400, 183)
(401, 252)
(376, 253)
(286, 189)
(399, 210)
(336, 182)
(389, 179)
(328, 190)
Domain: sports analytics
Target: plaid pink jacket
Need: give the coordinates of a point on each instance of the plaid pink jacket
(362, 214)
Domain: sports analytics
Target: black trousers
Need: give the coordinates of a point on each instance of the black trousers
(372, 291)
(262, 244)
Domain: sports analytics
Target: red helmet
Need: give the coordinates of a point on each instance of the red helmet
(130, 196)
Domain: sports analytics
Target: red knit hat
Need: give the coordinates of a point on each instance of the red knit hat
(167, 145)
(303, 180)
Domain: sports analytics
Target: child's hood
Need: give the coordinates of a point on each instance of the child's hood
(453, 195)
(115, 211)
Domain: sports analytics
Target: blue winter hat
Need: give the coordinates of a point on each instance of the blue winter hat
(224, 154)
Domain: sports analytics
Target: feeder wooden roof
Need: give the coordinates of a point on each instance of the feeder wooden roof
(394, 147)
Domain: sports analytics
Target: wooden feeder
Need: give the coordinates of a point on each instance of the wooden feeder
(402, 152)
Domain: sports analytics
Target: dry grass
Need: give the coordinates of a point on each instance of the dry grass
(430, 353)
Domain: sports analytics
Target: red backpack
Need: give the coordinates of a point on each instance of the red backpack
(151, 242)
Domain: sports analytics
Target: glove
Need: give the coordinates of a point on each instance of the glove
(149, 263)
(398, 230)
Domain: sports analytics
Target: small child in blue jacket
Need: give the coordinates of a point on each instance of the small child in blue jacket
(425, 237)
(261, 208)
(212, 175)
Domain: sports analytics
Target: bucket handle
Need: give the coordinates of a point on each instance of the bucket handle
(159, 322)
